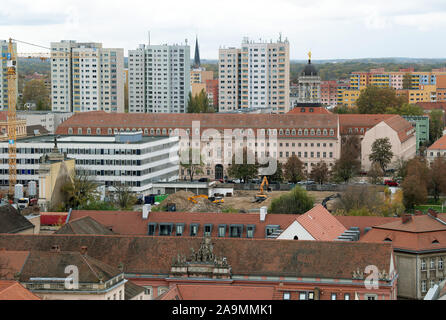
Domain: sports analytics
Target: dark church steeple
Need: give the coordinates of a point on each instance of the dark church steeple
(197, 62)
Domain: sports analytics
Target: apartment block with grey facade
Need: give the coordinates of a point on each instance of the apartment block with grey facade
(86, 77)
(159, 79)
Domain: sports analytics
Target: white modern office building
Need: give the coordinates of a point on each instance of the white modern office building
(3, 76)
(126, 157)
(255, 76)
(159, 78)
(47, 119)
(86, 77)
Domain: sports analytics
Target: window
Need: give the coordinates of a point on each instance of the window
(250, 231)
(166, 229)
(371, 297)
(207, 230)
(286, 296)
(269, 230)
(347, 296)
(423, 264)
(432, 267)
(423, 286)
(235, 230)
(152, 228)
(194, 229)
(179, 229)
(302, 296)
(333, 296)
(440, 264)
(221, 230)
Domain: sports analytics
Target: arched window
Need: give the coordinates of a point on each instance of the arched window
(325, 132)
(115, 130)
(299, 132)
(312, 132)
(70, 130)
(318, 132)
(134, 130)
(293, 132)
(331, 132)
(110, 131)
(152, 131)
(88, 131)
(164, 131)
(98, 131)
(306, 132)
(146, 131)
(281, 132)
(287, 132)
(158, 131)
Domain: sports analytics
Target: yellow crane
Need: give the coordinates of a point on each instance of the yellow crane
(11, 72)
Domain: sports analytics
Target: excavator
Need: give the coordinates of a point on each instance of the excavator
(212, 199)
(261, 196)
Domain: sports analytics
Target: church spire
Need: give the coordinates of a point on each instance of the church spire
(197, 62)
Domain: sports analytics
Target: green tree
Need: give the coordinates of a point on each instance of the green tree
(278, 175)
(80, 191)
(245, 170)
(376, 100)
(297, 201)
(408, 109)
(36, 91)
(382, 152)
(375, 173)
(437, 178)
(415, 183)
(187, 162)
(360, 200)
(124, 198)
(436, 125)
(199, 103)
(348, 165)
(294, 169)
(320, 172)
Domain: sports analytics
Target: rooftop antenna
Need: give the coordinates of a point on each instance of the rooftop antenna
(280, 36)
(149, 37)
(185, 40)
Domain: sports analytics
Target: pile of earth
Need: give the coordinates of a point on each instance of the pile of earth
(183, 204)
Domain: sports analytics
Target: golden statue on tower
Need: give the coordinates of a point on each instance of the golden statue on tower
(309, 55)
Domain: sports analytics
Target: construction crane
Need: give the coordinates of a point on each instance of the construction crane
(11, 67)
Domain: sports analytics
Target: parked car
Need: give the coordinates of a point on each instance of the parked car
(391, 183)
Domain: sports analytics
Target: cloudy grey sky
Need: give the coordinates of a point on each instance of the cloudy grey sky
(332, 29)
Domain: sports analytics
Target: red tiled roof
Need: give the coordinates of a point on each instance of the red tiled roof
(363, 222)
(316, 110)
(131, 223)
(101, 119)
(440, 144)
(367, 121)
(154, 255)
(422, 233)
(321, 224)
(12, 290)
(432, 105)
(11, 263)
(218, 292)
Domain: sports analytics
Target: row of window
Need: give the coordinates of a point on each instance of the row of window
(223, 230)
(433, 264)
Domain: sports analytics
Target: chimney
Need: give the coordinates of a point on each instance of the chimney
(55, 248)
(263, 213)
(433, 213)
(84, 250)
(406, 218)
(145, 211)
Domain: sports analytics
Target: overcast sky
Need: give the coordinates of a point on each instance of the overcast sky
(332, 29)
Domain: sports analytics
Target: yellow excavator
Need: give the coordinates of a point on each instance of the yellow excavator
(261, 196)
(212, 199)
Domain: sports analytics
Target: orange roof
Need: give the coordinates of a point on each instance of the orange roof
(432, 105)
(218, 292)
(316, 110)
(132, 223)
(422, 233)
(440, 144)
(367, 121)
(363, 222)
(12, 262)
(321, 224)
(12, 290)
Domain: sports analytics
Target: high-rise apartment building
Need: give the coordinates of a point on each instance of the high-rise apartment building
(256, 76)
(86, 77)
(3, 76)
(159, 78)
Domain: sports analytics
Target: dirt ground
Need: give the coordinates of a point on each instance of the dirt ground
(243, 200)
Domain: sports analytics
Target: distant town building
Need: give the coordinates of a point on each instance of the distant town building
(255, 76)
(438, 149)
(159, 78)
(421, 125)
(48, 119)
(4, 100)
(86, 77)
